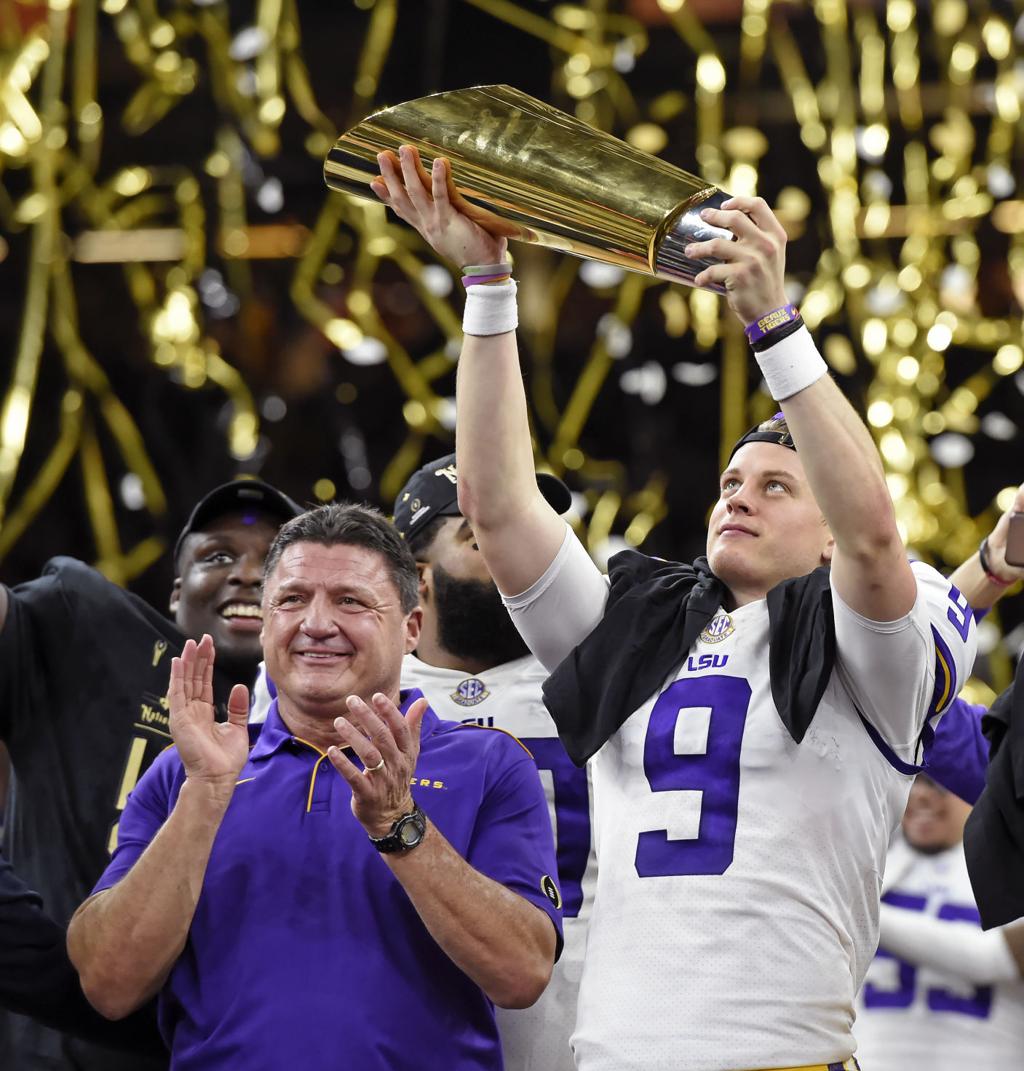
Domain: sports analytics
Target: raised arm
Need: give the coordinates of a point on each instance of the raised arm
(125, 939)
(983, 584)
(518, 532)
(870, 570)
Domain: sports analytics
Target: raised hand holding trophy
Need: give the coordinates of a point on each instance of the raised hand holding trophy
(538, 175)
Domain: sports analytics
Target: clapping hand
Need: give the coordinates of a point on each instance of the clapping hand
(212, 752)
(388, 745)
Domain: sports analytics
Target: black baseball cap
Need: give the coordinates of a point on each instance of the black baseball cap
(240, 496)
(765, 433)
(431, 492)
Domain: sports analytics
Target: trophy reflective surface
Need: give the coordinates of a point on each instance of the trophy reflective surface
(542, 176)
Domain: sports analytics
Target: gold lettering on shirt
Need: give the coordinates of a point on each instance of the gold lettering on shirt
(425, 782)
(159, 650)
(149, 715)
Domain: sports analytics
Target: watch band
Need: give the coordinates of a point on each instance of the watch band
(405, 833)
(986, 568)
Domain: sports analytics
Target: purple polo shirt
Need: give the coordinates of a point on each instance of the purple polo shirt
(305, 951)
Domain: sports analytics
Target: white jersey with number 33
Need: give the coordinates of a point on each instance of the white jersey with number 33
(737, 895)
(911, 1016)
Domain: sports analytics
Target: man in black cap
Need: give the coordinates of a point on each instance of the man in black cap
(473, 666)
(84, 671)
(466, 626)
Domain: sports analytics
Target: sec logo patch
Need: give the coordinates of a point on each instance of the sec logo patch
(718, 629)
(470, 692)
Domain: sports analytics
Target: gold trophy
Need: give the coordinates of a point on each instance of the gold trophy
(542, 176)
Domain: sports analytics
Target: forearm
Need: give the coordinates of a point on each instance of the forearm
(494, 454)
(984, 588)
(125, 940)
(842, 465)
(497, 938)
(975, 585)
(983, 584)
(518, 532)
(955, 948)
(870, 567)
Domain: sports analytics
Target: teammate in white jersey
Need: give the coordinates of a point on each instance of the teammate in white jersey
(473, 666)
(741, 820)
(940, 994)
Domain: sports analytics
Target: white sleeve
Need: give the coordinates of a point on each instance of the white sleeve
(902, 673)
(562, 608)
(960, 949)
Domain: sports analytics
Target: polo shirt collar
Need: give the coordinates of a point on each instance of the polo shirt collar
(275, 734)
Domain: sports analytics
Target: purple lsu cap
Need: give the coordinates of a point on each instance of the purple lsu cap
(239, 496)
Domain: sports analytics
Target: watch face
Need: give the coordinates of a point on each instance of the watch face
(410, 832)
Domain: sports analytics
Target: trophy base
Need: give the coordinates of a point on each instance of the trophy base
(671, 262)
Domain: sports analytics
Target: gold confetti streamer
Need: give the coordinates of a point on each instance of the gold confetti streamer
(908, 170)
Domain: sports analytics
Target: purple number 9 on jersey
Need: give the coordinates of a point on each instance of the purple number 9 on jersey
(721, 703)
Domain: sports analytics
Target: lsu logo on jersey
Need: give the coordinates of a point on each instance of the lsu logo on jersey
(699, 663)
(718, 629)
(470, 692)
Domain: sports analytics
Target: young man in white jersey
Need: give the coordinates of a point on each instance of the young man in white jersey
(473, 666)
(941, 993)
(744, 791)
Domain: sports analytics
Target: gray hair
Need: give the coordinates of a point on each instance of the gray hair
(349, 524)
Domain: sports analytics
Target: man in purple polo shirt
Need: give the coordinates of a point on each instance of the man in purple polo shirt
(289, 917)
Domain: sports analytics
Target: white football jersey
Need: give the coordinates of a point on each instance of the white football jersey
(911, 1016)
(736, 909)
(509, 697)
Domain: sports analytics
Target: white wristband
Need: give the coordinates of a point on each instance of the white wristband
(490, 310)
(790, 365)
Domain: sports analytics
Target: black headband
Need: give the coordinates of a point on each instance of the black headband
(757, 435)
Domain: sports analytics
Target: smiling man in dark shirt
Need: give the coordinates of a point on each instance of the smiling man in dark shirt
(84, 668)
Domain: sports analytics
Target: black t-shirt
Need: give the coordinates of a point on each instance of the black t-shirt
(84, 670)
